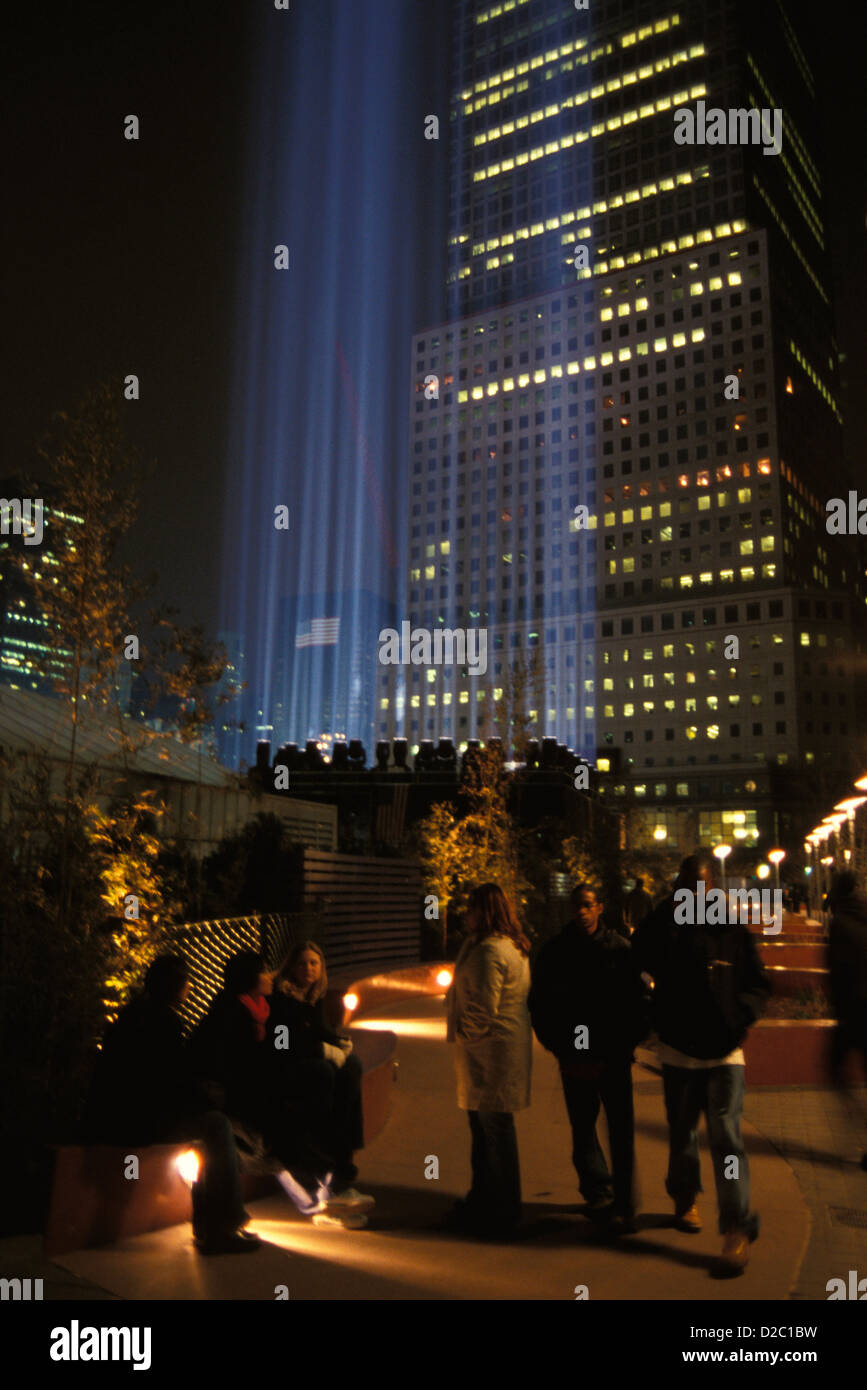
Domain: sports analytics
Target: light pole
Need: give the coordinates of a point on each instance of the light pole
(850, 807)
(776, 857)
(833, 822)
(722, 852)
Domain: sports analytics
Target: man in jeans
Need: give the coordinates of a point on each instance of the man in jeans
(710, 986)
(587, 1007)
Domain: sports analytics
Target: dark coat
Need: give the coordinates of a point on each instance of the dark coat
(591, 980)
(226, 1054)
(308, 1027)
(638, 905)
(142, 1086)
(710, 982)
(847, 959)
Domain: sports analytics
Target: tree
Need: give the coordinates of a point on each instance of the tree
(89, 597)
(513, 714)
(482, 845)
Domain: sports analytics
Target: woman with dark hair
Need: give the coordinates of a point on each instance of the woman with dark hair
(319, 1075)
(233, 1050)
(490, 1025)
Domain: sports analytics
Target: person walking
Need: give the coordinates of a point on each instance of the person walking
(587, 1005)
(847, 967)
(144, 1092)
(489, 1024)
(710, 986)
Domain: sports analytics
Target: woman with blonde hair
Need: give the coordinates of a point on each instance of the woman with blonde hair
(320, 1076)
(489, 1023)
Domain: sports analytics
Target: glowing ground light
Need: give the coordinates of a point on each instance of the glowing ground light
(187, 1165)
(444, 979)
(350, 1002)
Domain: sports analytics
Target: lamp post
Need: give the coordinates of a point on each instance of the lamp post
(722, 852)
(833, 822)
(850, 807)
(776, 856)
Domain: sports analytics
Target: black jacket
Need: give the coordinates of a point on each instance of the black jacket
(847, 958)
(308, 1028)
(142, 1084)
(590, 980)
(226, 1054)
(710, 982)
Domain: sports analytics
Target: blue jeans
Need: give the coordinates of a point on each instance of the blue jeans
(719, 1092)
(495, 1196)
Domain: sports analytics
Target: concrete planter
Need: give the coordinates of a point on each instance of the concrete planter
(794, 1052)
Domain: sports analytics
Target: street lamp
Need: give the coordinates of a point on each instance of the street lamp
(722, 852)
(776, 857)
(850, 806)
(660, 833)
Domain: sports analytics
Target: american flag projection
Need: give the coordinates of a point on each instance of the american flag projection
(318, 632)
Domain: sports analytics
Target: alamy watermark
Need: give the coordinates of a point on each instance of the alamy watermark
(846, 517)
(446, 646)
(736, 126)
(22, 516)
(713, 907)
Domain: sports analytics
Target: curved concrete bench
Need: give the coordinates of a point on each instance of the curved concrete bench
(92, 1203)
(795, 1052)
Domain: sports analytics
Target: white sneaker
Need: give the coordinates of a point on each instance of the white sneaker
(349, 1222)
(349, 1200)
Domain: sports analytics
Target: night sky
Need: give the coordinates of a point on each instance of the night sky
(125, 257)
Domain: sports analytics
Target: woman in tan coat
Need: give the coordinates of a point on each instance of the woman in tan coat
(490, 1026)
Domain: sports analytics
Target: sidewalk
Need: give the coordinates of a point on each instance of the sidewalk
(403, 1255)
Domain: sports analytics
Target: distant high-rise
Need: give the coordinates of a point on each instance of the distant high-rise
(699, 634)
(28, 659)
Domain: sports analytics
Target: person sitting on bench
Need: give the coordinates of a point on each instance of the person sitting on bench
(143, 1092)
(232, 1052)
(319, 1072)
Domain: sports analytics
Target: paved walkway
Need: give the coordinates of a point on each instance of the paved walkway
(403, 1254)
(822, 1135)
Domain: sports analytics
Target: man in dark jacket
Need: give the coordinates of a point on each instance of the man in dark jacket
(587, 1007)
(710, 986)
(144, 1093)
(847, 965)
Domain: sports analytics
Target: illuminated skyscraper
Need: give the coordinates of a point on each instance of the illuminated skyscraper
(682, 389)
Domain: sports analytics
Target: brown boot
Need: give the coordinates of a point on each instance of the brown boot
(735, 1253)
(686, 1217)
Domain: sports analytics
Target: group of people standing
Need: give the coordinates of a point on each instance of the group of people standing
(264, 1074)
(268, 1075)
(590, 998)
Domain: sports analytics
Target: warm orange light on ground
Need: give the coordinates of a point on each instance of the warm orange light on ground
(444, 979)
(350, 1002)
(187, 1165)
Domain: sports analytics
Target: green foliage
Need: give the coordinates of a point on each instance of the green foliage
(593, 856)
(476, 843)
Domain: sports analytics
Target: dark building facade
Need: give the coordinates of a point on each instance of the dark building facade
(700, 630)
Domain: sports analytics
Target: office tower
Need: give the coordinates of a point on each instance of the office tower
(682, 389)
(28, 659)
